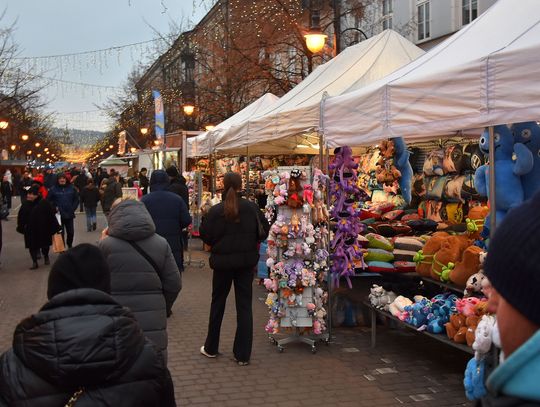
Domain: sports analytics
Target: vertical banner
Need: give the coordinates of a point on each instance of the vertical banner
(160, 115)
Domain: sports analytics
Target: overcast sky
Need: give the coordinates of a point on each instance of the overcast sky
(51, 27)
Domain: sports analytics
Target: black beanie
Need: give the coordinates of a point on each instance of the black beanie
(513, 260)
(80, 267)
(172, 171)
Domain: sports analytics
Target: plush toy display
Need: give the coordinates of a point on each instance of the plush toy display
(402, 163)
(467, 266)
(387, 172)
(380, 298)
(446, 258)
(424, 257)
(397, 308)
(528, 134)
(512, 161)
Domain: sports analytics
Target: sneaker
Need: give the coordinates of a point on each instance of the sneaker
(205, 353)
(241, 363)
(47, 261)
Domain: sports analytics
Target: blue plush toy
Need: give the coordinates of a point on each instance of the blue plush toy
(474, 379)
(528, 133)
(418, 313)
(402, 163)
(442, 305)
(511, 161)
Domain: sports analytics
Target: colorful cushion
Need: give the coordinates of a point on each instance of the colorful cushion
(452, 213)
(452, 189)
(379, 242)
(369, 214)
(435, 187)
(403, 255)
(468, 190)
(362, 241)
(452, 161)
(411, 216)
(472, 157)
(380, 267)
(393, 215)
(379, 255)
(434, 163)
(408, 243)
(423, 225)
(433, 210)
(405, 266)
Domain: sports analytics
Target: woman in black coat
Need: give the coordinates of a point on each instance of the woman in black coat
(37, 221)
(231, 229)
(83, 345)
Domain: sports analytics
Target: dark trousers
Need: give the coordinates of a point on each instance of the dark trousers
(221, 285)
(34, 253)
(67, 227)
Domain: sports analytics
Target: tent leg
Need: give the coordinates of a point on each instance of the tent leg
(492, 183)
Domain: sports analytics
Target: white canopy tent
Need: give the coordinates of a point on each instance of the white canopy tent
(202, 144)
(485, 74)
(292, 120)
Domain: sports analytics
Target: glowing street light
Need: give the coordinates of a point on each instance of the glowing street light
(25, 137)
(144, 131)
(29, 152)
(4, 124)
(133, 149)
(188, 109)
(37, 144)
(315, 40)
(13, 147)
(209, 127)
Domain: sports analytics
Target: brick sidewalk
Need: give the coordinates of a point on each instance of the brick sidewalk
(404, 369)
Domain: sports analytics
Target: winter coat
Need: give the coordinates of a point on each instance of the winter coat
(134, 282)
(65, 199)
(36, 220)
(169, 213)
(24, 186)
(90, 196)
(233, 244)
(515, 381)
(6, 189)
(49, 180)
(83, 338)
(144, 183)
(80, 181)
(112, 192)
(179, 187)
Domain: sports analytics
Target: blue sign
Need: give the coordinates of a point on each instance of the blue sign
(160, 114)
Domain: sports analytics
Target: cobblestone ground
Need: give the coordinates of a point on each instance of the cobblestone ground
(404, 368)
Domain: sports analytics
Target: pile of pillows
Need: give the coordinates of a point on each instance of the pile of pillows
(383, 255)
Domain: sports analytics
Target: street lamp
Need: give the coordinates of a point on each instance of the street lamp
(29, 152)
(46, 149)
(4, 124)
(13, 147)
(188, 109)
(37, 144)
(144, 131)
(132, 149)
(209, 127)
(25, 137)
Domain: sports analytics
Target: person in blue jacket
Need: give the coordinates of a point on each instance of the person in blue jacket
(169, 213)
(512, 268)
(65, 199)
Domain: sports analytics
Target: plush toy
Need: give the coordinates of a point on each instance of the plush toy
(475, 220)
(467, 306)
(417, 313)
(484, 335)
(528, 133)
(474, 284)
(512, 161)
(474, 380)
(424, 257)
(446, 258)
(387, 172)
(294, 194)
(380, 298)
(466, 267)
(456, 328)
(397, 308)
(402, 163)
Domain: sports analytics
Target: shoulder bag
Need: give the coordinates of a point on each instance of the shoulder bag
(73, 399)
(261, 233)
(145, 255)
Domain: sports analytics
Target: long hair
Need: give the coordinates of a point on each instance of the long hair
(232, 183)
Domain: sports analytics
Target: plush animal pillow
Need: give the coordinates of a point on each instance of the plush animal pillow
(452, 161)
(434, 163)
(433, 211)
(378, 242)
(404, 255)
(452, 213)
(379, 255)
(380, 267)
(449, 254)
(435, 187)
(405, 266)
(453, 188)
(528, 133)
(408, 243)
(466, 267)
(424, 259)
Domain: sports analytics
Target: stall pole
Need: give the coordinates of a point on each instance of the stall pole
(184, 153)
(492, 183)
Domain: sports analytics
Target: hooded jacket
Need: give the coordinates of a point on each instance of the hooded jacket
(83, 338)
(112, 191)
(90, 196)
(169, 213)
(36, 221)
(516, 381)
(134, 282)
(64, 198)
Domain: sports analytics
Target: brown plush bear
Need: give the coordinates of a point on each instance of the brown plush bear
(387, 172)
(456, 328)
(473, 320)
(450, 253)
(469, 265)
(425, 258)
(295, 198)
(475, 220)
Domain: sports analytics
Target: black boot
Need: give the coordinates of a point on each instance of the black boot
(94, 226)
(47, 261)
(34, 266)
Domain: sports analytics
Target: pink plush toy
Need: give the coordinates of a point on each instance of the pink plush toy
(270, 284)
(467, 306)
(308, 194)
(317, 329)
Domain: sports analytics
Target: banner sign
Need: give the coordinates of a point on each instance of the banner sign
(160, 115)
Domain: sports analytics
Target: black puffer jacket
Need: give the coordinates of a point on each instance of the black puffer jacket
(83, 338)
(234, 244)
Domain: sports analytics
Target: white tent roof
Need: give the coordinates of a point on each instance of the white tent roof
(298, 112)
(202, 144)
(485, 74)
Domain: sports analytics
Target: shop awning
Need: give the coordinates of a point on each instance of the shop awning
(202, 144)
(298, 112)
(485, 74)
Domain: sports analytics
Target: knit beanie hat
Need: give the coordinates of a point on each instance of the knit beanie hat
(172, 171)
(33, 190)
(513, 260)
(80, 267)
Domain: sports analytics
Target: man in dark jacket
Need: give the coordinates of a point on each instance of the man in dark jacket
(36, 221)
(178, 184)
(49, 180)
(112, 191)
(80, 182)
(65, 199)
(512, 269)
(169, 212)
(143, 180)
(90, 198)
(83, 345)
(26, 183)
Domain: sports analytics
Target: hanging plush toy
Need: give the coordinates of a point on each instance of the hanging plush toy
(512, 161)
(387, 172)
(401, 161)
(528, 133)
(295, 199)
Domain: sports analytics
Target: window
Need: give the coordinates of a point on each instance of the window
(387, 11)
(469, 11)
(423, 21)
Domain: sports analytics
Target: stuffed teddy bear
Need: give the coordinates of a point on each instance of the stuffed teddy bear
(467, 266)
(294, 194)
(446, 258)
(387, 172)
(456, 329)
(403, 165)
(424, 257)
(475, 220)
(528, 133)
(380, 298)
(512, 161)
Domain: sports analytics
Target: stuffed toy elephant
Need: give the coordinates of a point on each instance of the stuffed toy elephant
(512, 161)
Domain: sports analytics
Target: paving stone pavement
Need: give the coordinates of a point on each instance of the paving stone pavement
(404, 368)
